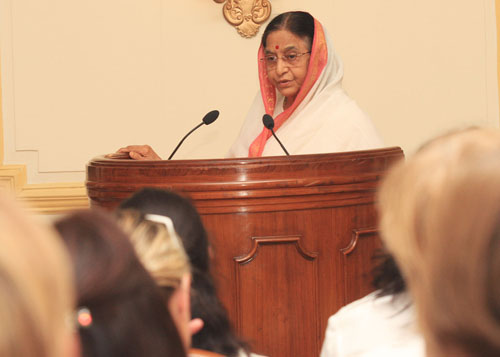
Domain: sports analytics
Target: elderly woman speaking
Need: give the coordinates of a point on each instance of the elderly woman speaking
(301, 88)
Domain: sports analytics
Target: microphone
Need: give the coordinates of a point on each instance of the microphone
(269, 123)
(208, 119)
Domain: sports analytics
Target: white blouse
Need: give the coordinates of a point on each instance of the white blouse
(374, 326)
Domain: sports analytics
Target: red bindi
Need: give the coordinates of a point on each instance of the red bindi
(277, 47)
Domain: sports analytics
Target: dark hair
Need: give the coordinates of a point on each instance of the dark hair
(387, 277)
(183, 214)
(299, 23)
(129, 314)
(217, 334)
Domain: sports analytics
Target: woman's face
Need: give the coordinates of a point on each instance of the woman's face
(287, 58)
(179, 305)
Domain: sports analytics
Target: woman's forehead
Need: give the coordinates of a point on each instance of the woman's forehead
(284, 40)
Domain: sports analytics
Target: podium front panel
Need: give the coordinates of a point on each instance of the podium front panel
(293, 237)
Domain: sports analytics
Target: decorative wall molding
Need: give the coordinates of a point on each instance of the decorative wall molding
(55, 198)
(52, 198)
(246, 15)
(13, 177)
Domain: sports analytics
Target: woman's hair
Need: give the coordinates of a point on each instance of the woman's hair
(186, 220)
(36, 295)
(387, 278)
(158, 249)
(440, 216)
(128, 311)
(300, 23)
(217, 334)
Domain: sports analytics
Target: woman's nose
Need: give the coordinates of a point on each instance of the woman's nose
(281, 66)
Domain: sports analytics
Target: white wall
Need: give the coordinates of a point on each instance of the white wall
(424, 67)
(83, 78)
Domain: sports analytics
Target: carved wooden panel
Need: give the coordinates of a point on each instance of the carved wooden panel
(358, 263)
(324, 230)
(273, 282)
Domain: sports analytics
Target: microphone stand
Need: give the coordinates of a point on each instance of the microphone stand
(268, 122)
(279, 142)
(208, 119)
(184, 138)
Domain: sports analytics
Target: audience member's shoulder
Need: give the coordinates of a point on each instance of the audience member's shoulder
(412, 348)
(195, 352)
(361, 305)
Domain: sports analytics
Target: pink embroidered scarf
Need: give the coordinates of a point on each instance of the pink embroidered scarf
(317, 62)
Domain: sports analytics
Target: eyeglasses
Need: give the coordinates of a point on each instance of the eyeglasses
(291, 59)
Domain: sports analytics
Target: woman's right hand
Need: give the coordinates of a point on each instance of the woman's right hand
(140, 152)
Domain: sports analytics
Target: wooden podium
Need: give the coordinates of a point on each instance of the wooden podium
(293, 236)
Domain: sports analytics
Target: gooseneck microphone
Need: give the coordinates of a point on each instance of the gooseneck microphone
(208, 119)
(269, 123)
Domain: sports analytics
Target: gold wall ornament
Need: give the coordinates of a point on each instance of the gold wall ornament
(246, 15)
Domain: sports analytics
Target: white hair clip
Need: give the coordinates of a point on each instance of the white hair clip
(169, 225)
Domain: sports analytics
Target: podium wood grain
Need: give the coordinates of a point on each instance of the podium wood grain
(293, 235)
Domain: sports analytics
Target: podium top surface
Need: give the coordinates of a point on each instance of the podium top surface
(354, 166)
(353, 176)
(265, 160)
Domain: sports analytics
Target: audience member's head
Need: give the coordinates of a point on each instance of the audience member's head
(440, 216)
(187, 221)
(36, 291)
(126, 311)
(217, 334)
(160, 250)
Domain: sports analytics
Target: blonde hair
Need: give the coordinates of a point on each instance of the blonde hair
(440, 216)
(158, 247)
(36, 290)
